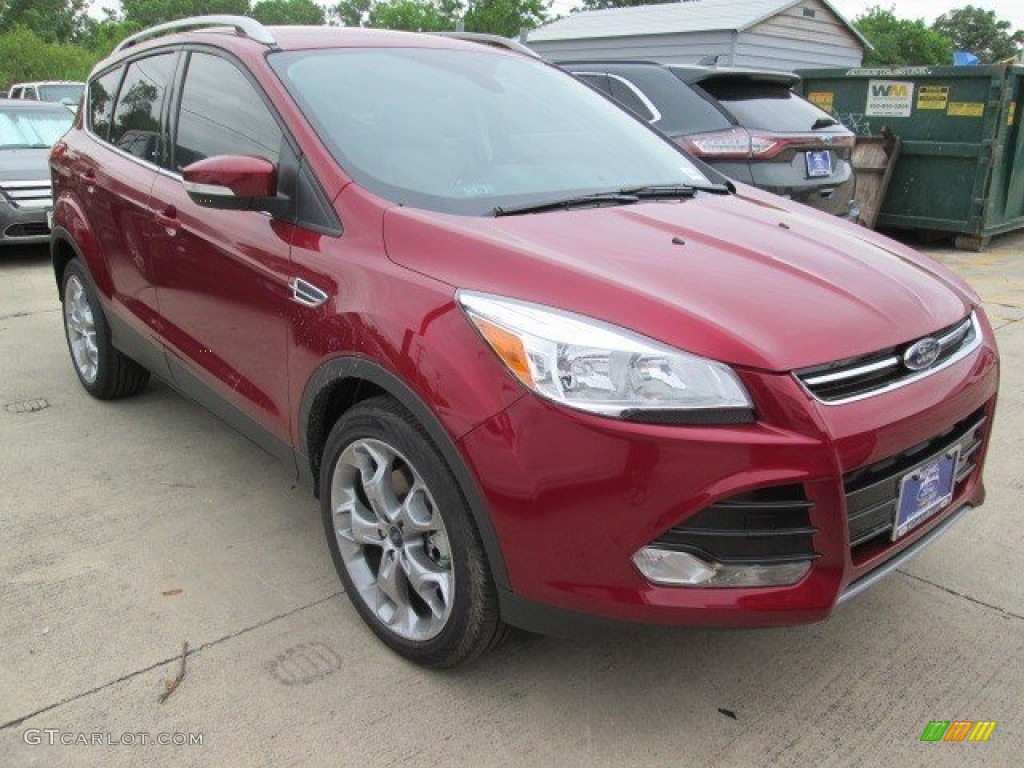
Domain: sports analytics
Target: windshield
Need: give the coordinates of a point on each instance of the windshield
(24, 129)
(68, 92)
(765, 106)
(468, 132)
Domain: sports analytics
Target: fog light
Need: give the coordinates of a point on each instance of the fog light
(663, 566)
(682, 569)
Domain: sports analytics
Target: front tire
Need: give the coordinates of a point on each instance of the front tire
(403, 539)
(104, 371)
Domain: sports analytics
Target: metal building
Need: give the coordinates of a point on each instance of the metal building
(772, 34)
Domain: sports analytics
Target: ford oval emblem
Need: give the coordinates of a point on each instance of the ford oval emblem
(921, 354)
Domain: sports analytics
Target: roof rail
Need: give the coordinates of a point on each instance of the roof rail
(243, 26)
(495, 41)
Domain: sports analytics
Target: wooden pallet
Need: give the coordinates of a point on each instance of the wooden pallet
(874, 158)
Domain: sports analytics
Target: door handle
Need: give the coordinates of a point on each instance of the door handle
(168, 219)
(89, 178)
(307, 294)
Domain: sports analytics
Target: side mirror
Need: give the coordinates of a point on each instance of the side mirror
(233, 182)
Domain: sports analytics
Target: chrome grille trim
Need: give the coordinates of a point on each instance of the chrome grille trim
(852, 373)
(34, 194)
(961, 334)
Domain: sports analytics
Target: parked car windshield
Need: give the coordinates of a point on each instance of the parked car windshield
(465, 132)
(764, 106)
(25, 129)
(64, 92)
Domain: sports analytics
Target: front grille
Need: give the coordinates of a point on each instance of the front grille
(858, 377)
(767, 525)
(32, 195)
(28, 229)
(872, 492)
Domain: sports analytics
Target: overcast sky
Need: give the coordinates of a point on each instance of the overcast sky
(1010, 10)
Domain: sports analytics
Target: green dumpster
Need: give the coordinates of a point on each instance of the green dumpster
(961, 164)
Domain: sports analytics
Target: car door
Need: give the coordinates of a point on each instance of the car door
(223, 275)
(112, 173)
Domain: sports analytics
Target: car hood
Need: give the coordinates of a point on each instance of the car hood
(748, 279)
(24, 164)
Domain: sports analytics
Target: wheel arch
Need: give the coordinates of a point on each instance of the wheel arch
(342, 382)
(62, 251)
(64, 247)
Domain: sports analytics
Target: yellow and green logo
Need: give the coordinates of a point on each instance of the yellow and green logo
(958, 730)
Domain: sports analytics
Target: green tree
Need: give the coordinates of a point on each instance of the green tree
(288, 12)
(978, 31)
(25, 56)
(101, 37)
(499, 17)
(411, 15)
(354, 13)
(900, 42)
(53, 21)
(505, 17)
(146, 13)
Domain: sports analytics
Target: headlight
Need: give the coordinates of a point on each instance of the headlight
(597, 367)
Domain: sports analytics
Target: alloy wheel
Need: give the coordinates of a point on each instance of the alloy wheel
(392, 539)
(81, 329)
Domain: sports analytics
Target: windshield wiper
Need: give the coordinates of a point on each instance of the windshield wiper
(824, 122)
(669, 191)
(579, 201)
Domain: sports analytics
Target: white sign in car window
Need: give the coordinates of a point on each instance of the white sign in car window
(889, 98)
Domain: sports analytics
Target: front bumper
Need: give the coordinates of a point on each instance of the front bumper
(573, 497)
(22, 225)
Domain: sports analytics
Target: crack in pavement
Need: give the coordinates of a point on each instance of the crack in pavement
(175, 658)
(28, 314)
(953, 592)
(1007, 324)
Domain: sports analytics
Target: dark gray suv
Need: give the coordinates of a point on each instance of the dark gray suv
(748, 124)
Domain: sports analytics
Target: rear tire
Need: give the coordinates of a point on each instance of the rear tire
(104, 371)
(403, 539)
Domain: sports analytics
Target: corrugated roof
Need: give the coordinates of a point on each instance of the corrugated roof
(669, 18)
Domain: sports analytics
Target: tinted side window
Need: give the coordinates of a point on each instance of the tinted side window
(627, 97)
(102, 91)
(15, 93)
(30, 93)
(600, 82)
(136, 125)
(221, 113)
(683, 110)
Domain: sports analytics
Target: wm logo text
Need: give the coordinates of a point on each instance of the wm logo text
(958, 730)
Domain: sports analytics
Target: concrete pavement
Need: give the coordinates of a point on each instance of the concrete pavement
(129, 528)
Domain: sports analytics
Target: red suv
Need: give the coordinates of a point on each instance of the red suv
(540, 365)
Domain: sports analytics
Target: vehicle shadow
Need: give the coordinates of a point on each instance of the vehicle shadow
(14, 255)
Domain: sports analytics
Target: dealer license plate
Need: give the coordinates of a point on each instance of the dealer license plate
(819, 163)
(925, 491)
